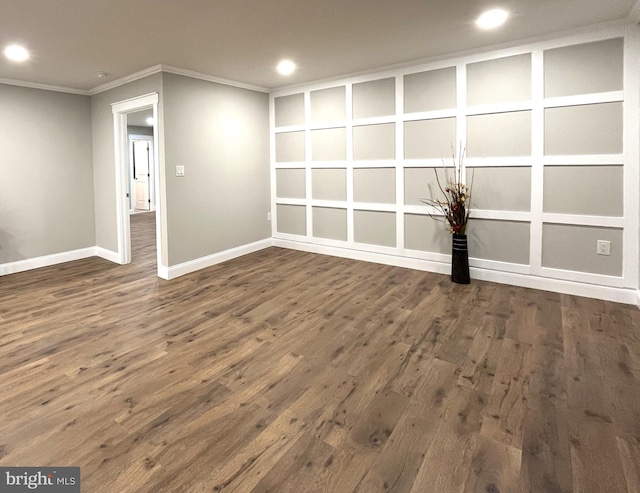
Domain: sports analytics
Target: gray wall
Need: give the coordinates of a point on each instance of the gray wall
(46, 190)
(220, 134)
(104, 178)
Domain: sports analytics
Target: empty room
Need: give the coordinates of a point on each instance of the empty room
(320, 246)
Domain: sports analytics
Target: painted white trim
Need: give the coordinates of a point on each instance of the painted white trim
(488, 109)
(617, 294)
(136, 103)
(584, 220)
(109, 255)
(140, 74)
(308, 157)
(46, 260)
(119, 110)
(638, 300)
(201, 263)
(44, 87)
(584, 160)
(170, 69)
(631, 129)
(429, 115)
(582, 99)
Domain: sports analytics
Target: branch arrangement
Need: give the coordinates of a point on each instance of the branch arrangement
(454, 208)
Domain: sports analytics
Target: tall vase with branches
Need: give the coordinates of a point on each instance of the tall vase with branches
(453, 209)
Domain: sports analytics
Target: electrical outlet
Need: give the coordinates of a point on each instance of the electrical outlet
(179, 170)
(603, 247)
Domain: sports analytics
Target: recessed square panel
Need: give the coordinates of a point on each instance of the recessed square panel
(430, 91)
(499, 134)
(375, 228)
(504, 241)
(584, 68)
(429, 139)
(500, 188)
(328, 105)
(290, 183)
(421, 183)
(374, 98)
(375, 185)
(329, 144)
(573, 247)
(290, 147)
(503, 80)
(289, 110)
(590, 190)
(374, 142)
(329, 184)
(426, 234)
(291, 219)
(330, 223)
(586, 129)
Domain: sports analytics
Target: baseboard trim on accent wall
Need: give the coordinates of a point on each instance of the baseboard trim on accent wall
(216, 258)
(46, 260)
(378, 258)
(619, 295)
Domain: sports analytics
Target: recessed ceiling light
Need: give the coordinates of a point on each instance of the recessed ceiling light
(16, 53)
(149, 120)
(492, 19)
(102, 74)
(286, 67)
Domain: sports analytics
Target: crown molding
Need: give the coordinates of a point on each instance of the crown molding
(141, 74)
(170, 69)
(210, 78)
(44, 87)
(634, 13)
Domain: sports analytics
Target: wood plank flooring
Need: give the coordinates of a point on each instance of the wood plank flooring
(284, 371)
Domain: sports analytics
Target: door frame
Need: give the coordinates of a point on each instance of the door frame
(121, 143)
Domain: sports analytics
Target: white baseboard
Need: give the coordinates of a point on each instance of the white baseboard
(46, 260)
(107, 254)
(620, 295)
(201, 263)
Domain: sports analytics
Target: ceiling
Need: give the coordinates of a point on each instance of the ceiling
(243, 40)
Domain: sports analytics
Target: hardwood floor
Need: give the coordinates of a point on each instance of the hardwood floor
(294, 372)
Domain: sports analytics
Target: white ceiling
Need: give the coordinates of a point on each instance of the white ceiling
(243, 40)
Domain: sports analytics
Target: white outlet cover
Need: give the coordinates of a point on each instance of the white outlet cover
(179, 170)
(603, 247)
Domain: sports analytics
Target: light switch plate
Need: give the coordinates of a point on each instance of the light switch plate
(179, 170)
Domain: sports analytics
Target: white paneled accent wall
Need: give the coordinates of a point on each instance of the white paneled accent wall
(552, 146)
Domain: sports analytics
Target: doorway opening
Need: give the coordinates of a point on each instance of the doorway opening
(138, 190)
(141, 161)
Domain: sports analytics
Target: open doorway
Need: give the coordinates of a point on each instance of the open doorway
(148, 199)
(141, 161)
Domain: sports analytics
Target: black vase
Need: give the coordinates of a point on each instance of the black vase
(460, 260)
